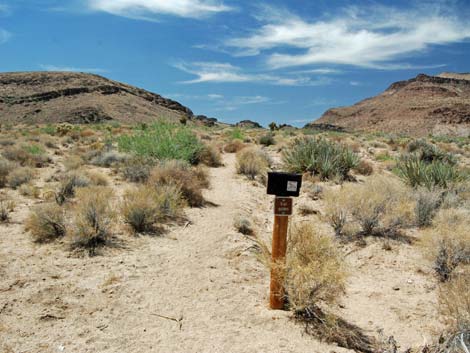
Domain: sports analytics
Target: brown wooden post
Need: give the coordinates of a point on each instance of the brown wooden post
(276, 297)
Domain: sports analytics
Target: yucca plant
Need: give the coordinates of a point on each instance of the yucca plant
(321, 157)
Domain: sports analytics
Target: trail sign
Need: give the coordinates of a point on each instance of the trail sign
(282, 206)
(284, 184)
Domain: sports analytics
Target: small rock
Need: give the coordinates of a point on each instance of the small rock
(396, 288)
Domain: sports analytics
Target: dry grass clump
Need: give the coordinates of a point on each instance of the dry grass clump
(146, 206)
(252, 162)
(77, 179)
(6, 207)
(29, 190)
(379, 206)
(27, 155)
(5, 168)
(73, 162)
(454, 301)
(92, 218)
(447, 243)
(314, 268)
(364, 168)
(19, 177)
(210, 156)
(108, 158)
(234, 146)
(46, 223)
(427, 204)
(190, 180)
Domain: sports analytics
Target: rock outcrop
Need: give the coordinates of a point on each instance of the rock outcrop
(419, 106)
(54, 97)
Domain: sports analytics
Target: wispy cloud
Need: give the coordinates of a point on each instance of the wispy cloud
(148, 9)
(366, 37)
(4, 36)
(71, 69)
(225, 72)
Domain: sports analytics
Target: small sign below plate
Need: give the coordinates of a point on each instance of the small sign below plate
(283, 206)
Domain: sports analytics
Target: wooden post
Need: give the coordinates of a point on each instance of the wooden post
(276, 297)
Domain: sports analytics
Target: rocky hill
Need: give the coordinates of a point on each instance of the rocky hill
(420, 106)
(54, 97)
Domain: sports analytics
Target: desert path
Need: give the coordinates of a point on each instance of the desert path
(198, 288)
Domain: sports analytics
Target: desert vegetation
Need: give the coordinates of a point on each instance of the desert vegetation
(381, 221)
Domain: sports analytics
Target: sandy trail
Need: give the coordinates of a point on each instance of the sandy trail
(196, 289)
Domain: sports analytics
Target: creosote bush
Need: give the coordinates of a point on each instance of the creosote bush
(146, 206)
(447, 242)
(46, 222)
(252, 162)
(92, 218)
(321, 157)
(190, 180)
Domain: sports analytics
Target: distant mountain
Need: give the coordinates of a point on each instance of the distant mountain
(54, 97)
(420, 106)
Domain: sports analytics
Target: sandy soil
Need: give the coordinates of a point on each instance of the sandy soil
(197, 288)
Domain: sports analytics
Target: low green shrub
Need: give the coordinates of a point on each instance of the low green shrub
(163, 141)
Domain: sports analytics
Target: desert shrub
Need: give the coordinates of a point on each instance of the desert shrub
(108, 158)
(32, 156)
(73, 162)
(379, 206)
(164, 141)
(64, 129)
(190, 180)
(7, 142)
(20, 176)
(454, 306)
(429, 153)
(314, 270)
(68, 184)
(5, 168)
(237, 134)
(210, 156)
(252, 162)
(137, 169)
(320, 157)
(364, 168)
(6, 207)
(46, 222)
(417, 172)
(427, 204)
(243, 225)
(447, 243)
(234, 146)
(267, 139)
(29, 190)
(92, 218)
(146, 206)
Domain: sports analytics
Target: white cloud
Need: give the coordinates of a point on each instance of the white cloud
(367, 37)
(147, 9)
(224, 72)
(4, 36)
(71, 69)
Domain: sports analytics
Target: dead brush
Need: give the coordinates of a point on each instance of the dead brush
(145, 207)
(315, 277)
(381, 207)
(234, 146)
(6, 207)
(92, 218)
(210, 156)
(447, 243)
(252, 162)
(46, 223)
(191, 181)
(20, 176)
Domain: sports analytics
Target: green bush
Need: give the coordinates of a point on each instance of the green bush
(429, 153)
(320, 157)
(267, 140)
(163, 141)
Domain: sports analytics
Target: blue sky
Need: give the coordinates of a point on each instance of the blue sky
(283, 61)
